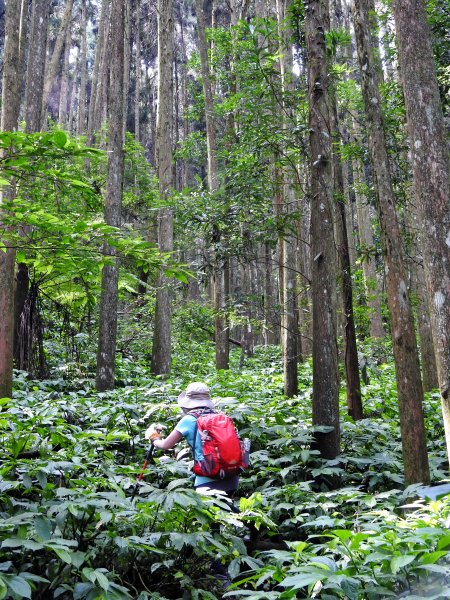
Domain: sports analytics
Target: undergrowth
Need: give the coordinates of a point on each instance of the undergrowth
(302, 527)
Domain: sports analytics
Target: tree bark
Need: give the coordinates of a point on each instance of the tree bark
(36, 64)
(34, 87)
(430, 161)
(137, 91)
(51, 71)
(324, 268)
(353, 384)
(127, 65)
(24, 31)
(9, 120)
(427, 349)
(221, 328)
(96, 74)
(409, 385)
(162, 333)
(81, 123)
(289, 320)
(64, 91)
(113, 202)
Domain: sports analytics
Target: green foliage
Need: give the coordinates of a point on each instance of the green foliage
(70, 457)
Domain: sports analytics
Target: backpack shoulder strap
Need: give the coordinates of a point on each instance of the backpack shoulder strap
(196, 414)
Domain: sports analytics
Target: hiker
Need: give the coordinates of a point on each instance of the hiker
(195, 399)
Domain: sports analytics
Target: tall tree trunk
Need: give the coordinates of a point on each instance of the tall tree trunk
(127, 64)
(304, 268)
(50, 72)
(353, 384)
(219, 298)
(409, 384)
(36, 65)
(81, 121)
(138, 70)
(162, 333)
(24, 30)
(102, 96)
(74, 98)
(271, 328)
(96, 74)
(64, 91)
(9, 119)
(289, 322)
(34, 87)
(113, 202)
(430, 161)
(427, 349)
(324, 261)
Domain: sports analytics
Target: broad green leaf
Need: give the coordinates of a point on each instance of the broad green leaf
(432, 557)
(401, 561)
(22, 543)
(303, 579)
(342, 534)
(43, 527)
(60, 138)
(81, 589)
(443, 542)
(77, 558)
(19, 586)
(62, 553)
(102, 580)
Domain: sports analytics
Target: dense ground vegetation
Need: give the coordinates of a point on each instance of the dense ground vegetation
(305, 527)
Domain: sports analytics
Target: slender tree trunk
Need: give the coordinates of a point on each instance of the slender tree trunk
(323, 250)
(51, 71)
(430, 161)
(81, 122)
(9, 119)
(269, 296)
(162, 333)
(64, 92)
(96, 74)
(427, 349)
(304, 267)
(74, 98)
(409, 385)
(36, 64)
(127, 63)
(353, 385)
(37, 52)
(102, 97)
(24, 30)
(289, 323)
(137, 92)
(220, 322)
(113, 202)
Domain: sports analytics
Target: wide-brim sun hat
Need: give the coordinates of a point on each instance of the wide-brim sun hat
(196, 395)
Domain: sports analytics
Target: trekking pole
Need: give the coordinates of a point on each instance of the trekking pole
(148, 459)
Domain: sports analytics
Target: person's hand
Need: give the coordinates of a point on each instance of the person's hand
(154, 432)
(156, 442)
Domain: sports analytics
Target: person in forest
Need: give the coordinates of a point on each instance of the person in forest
(194, 399)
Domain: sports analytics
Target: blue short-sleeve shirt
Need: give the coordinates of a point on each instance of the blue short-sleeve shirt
(187, 426)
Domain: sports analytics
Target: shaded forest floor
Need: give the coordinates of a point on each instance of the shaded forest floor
(301, 526)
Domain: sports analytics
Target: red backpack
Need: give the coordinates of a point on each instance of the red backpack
(223, 451)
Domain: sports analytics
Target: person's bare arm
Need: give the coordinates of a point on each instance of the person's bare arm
(169, 442)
